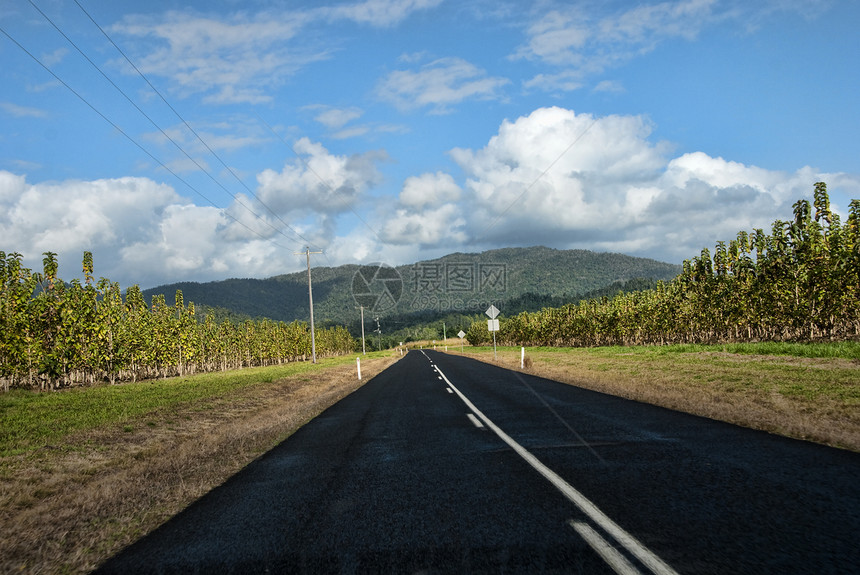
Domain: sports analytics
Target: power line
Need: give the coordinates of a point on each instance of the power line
(187, 125)
(129, 138)
(202, 141)
(151, 121)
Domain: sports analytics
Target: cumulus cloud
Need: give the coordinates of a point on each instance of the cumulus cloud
(435, 227)
(439, 85)
(429, 189)
(428, 213)
(551, 177)
(318, 181)
(140, 232)
(574, 180)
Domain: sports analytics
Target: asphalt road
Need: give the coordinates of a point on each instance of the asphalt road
(442, 464)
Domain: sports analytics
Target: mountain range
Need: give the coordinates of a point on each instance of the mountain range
(512, 279)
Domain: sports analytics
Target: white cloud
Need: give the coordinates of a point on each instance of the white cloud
(566, 81)
(337, 117)
(339, 120)
(320, 182)
(439, 84)
(609, 86)
(429, 189)
(239, 57)
(428, 213)
(432, 226)
(139, 231)
(17, 111)
(54, 57)
(645, 26)
(220, 137)
(552, 177)
(233, 58)
(557, 38)
(581, 42)
(568, 180)
(351, 132)
(380, 13)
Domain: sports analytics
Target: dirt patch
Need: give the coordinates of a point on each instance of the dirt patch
(68, 507)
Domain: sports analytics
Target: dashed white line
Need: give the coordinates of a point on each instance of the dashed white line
(475, 421)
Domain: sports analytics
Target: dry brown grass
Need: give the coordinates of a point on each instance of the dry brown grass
(69, 507)
(812, 399)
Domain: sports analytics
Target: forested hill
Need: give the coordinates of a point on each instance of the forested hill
(460, 282)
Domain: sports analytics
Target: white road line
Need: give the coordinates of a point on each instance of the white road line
(613, 558)
(448, 389)
(645, 555)
(475, 421)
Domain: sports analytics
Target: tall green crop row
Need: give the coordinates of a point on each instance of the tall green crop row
(54, 334)
(799, 282)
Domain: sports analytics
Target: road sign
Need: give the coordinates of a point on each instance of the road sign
(492, 312)
(493, 325)
(462, 334)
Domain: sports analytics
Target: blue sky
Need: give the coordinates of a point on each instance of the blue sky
(225, 136)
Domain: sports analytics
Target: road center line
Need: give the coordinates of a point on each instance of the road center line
(607, 552)
(475, 421)
(645, 555)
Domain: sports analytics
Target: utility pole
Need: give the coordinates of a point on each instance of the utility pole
(308, 253)
(363, 352)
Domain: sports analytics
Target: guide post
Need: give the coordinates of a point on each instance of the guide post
(493, 325)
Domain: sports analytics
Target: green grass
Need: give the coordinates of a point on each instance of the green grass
(31, 420)
(842, 349)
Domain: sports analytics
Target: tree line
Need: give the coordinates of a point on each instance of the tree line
(55, 334)
(799, 282)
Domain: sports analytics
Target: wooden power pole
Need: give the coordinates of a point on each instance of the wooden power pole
(308, 253)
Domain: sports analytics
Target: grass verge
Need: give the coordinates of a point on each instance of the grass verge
(85, 472)
(805, 391)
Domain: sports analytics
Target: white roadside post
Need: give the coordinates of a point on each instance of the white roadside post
(358, 364)
(522, 358)
(493, 325)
